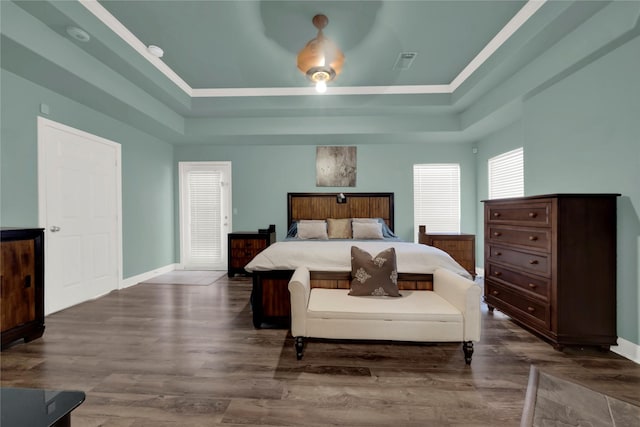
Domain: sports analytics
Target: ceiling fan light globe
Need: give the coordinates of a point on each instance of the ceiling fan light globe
(321, 86)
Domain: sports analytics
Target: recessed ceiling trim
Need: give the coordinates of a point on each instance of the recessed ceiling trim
(503, 35)
(309, 90)
(117, 27)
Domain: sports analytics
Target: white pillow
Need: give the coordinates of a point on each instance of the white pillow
(312, 230)
(365, 220)
(367, 230)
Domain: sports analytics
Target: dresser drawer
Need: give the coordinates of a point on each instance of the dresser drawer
(533, 213)
(538, 238)
(515, 304)
(240, 258)
(538, 286)
(255, 245)
(244, 246)
(538, 263)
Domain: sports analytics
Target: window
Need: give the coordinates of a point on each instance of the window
(506, 175)
(204, 199)
(436, 197)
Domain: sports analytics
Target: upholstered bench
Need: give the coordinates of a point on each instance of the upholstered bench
(449, 313)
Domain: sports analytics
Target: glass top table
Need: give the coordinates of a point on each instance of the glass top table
(21, 407)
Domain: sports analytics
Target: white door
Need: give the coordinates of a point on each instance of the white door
(205, 214)
(79, 206)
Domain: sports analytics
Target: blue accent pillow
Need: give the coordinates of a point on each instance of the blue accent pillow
(293, 230)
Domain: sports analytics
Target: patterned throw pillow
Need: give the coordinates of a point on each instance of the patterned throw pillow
(374, 276)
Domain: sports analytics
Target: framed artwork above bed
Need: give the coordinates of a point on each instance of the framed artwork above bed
(336, 166)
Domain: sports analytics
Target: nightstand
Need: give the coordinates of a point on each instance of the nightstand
(461, 246)
(22, 294)
(243, 246)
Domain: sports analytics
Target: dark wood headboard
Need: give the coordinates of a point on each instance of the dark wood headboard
(325, 205)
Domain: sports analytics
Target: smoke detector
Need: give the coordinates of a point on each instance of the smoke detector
(155, 51)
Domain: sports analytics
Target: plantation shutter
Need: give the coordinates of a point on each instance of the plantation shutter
(436, 197)
(204, 188)
(506, 175)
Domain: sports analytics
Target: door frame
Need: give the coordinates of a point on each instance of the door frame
(228, 210)
(42, 124)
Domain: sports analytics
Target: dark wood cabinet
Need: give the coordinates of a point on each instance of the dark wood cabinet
(550, 264)
(461, 246)
(244, 245)
(21, 284)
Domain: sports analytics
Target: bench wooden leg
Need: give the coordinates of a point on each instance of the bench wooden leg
(467, 348)
(299, 347)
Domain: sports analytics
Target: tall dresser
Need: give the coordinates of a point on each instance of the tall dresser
(550, 264)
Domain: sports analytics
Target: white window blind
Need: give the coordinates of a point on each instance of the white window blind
(204, 198)
(436, 197)
(506, 175)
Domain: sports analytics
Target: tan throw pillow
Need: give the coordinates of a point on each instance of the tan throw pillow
(367, 230)
(312, 230)
(339, 228)
(374, 276)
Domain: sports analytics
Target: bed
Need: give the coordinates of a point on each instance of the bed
(329, 260)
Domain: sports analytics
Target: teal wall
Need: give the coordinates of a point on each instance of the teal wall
(581, 134)
(506, 139)
(262, 177)
(147, 170)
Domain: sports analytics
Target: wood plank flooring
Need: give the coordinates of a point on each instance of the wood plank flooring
(177, 355)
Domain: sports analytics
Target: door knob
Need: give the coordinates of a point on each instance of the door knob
(54, 229)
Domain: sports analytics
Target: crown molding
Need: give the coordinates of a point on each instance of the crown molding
(123, 32)
(527, 11)
(331, 90)
(503, 35)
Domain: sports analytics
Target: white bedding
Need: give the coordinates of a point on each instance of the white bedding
(336, 256)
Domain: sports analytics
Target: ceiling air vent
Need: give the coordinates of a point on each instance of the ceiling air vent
(404, 61)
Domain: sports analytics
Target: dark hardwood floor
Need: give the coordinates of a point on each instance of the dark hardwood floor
(179, 355)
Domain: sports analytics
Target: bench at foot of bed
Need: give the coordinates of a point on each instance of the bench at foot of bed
(448, 313)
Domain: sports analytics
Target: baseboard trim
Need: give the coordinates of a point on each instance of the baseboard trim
(134, 280)
(627, 349)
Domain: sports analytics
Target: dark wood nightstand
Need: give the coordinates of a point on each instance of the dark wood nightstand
(243, 246)
(22, 294)
(461, 246)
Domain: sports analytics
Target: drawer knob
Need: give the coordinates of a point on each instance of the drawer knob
(498, 253)
(533, 238)
(496, 214)
(497, 273)
(532, 214)
(533, 261)
(497, 233)
(495, 292)
(531, 309)
(532, 286)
